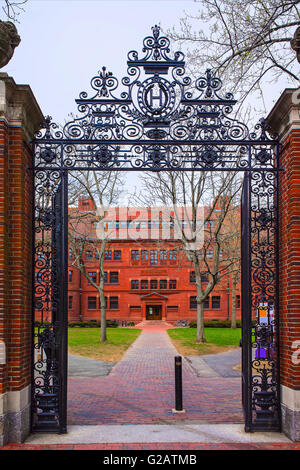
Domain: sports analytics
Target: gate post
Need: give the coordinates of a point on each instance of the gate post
(20, 117)
(284, 119)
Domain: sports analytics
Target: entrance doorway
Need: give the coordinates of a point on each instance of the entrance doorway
(153, 312)
(158, 122)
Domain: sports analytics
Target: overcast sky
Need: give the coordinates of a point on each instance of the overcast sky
(65, 43)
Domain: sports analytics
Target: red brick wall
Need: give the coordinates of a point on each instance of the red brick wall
(178, 270)
(289, 246)
(15, 257)
(4, 288)
(174, 303)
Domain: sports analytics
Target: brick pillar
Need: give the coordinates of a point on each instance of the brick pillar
(285, 120)
(20, 117)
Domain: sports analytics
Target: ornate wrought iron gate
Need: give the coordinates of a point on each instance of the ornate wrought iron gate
(51, 293)
(260, 329)
(157, 120)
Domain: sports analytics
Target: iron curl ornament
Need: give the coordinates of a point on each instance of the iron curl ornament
(157, 118)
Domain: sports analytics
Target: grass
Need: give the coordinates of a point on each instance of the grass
(85, 342)
(218, 340)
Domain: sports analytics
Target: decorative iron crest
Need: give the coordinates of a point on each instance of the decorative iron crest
(155, 103)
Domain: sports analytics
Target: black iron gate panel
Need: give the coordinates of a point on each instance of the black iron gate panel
(263, 320)
(259, 268)
(157, 119)
(246, 304)
(51, 291)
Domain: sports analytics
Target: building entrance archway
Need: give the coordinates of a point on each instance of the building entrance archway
(157, 119)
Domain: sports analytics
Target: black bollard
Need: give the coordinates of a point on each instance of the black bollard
(178, 383)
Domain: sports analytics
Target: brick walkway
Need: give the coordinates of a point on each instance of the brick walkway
(140, 389)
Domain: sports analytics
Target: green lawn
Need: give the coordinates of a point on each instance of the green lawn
(85, 342)
(218, 340)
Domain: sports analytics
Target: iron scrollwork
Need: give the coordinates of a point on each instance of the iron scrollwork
(265, 333)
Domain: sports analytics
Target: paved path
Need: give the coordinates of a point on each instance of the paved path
(223, 364)
(154, 433)
(140, 389)
(217, 365)
(79, 366)
(139, 393)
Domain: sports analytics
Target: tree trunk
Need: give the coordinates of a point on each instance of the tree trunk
(103, 336)
(233, 302)
(200, 338)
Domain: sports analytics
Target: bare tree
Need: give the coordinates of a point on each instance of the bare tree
(86, 227)
(190, 190)
(231, 250)
(247, 42)
(12, 9)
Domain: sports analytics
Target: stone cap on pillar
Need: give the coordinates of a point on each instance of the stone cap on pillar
(18, 106)
(285, 114)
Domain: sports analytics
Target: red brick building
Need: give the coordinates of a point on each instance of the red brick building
(145, 278)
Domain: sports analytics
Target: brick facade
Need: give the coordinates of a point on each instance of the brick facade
(19, 118)
(285, 120)
(290, 257)
(136, 282)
